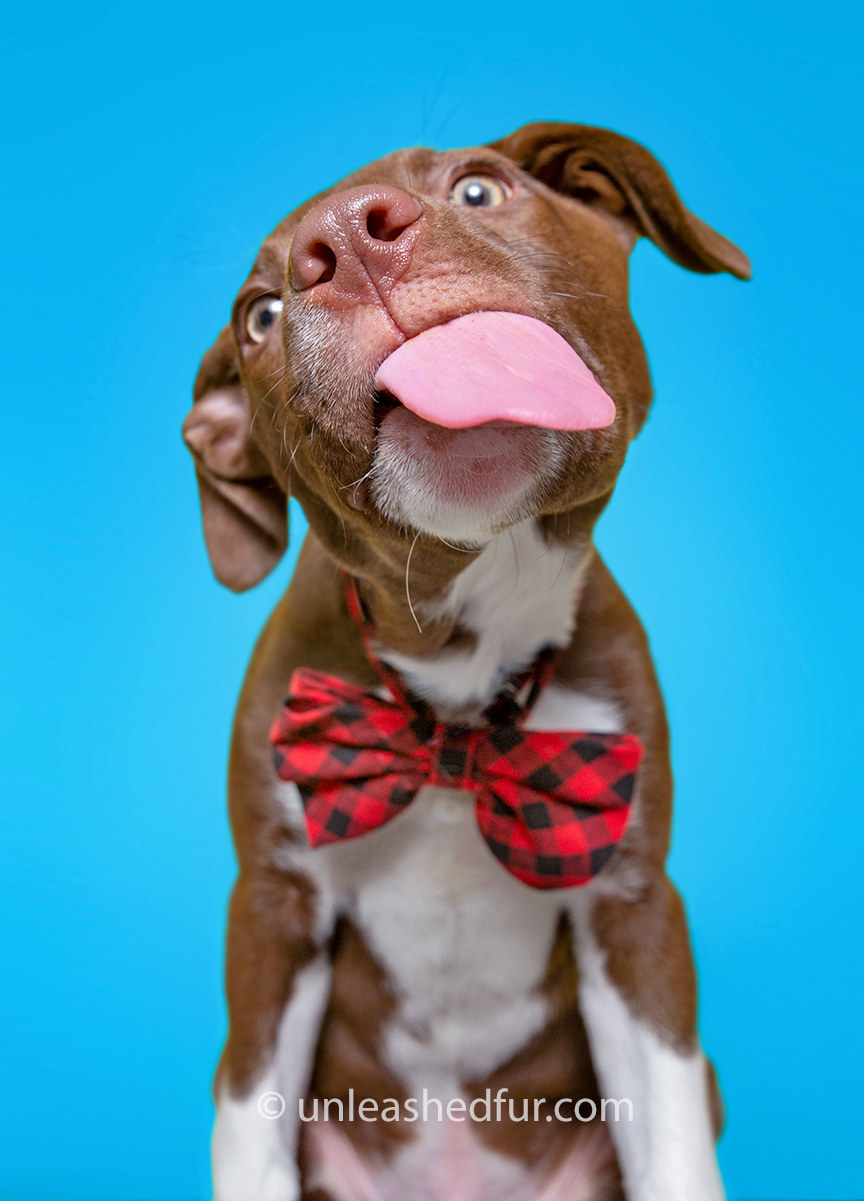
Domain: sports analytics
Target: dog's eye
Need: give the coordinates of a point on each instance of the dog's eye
(478, 191)
(261, 316)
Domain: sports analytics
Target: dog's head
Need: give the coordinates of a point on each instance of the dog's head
(288, 400)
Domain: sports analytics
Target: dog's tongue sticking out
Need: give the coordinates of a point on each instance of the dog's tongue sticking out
(495, 367)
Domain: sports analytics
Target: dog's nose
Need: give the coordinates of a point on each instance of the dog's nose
(359, 240)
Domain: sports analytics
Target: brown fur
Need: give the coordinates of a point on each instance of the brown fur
(261, 429)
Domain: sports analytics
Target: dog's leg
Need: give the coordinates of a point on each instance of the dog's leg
(278, 982)
(637, 995)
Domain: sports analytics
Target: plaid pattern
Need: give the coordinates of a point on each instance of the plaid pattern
(551, 805)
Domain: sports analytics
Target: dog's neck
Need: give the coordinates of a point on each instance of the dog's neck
(518, 594)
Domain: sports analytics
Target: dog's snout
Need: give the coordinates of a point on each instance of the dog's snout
(359, 239)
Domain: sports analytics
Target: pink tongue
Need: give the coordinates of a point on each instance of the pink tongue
(495, 367)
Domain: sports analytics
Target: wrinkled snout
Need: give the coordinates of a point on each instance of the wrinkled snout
(357, 242)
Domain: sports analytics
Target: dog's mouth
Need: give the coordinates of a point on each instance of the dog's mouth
(472, 421)
(469, 419)
(383, 404)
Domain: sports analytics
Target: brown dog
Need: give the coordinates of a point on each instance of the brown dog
(407, 968)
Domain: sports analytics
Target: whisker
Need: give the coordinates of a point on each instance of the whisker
(538, 245)
(274, 412)
(561, 568)
(407, 582)
(271, 389)
(515, 559)
(345, 487)
(254, 416)
(599, 295)
(270, 374)
(543, 254)
(357, 483)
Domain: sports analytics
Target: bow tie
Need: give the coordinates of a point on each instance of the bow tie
(551, 805)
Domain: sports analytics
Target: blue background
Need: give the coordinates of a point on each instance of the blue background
(151, 148)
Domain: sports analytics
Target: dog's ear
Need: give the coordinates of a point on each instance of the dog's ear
(243, 509)
(612, 173)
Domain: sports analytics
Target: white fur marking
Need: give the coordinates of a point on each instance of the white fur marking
(518, 595)
(667, 1152)
(560, 708)
(464, 944)
(254, 1157)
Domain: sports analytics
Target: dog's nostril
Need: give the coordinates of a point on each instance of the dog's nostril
(323, 261)
(358, 239)
(383, 225)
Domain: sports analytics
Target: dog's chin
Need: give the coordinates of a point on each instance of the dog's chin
(460, 485)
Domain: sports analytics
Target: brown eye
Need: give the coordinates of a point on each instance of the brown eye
(478, 191)
(261, 316)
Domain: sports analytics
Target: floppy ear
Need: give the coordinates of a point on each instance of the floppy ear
(243, 509)
(610, 172)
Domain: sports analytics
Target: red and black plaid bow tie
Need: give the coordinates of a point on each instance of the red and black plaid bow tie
(551, 805)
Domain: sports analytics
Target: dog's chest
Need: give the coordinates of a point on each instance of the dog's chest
(464, 945)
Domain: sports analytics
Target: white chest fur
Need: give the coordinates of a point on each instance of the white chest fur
(464, 944)
(518, 595)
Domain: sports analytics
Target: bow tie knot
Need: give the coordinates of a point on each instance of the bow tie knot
(452, 750)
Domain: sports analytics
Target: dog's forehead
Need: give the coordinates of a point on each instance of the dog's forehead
(401, 168)
(419, 168)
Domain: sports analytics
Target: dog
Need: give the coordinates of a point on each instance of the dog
(461, 1025)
